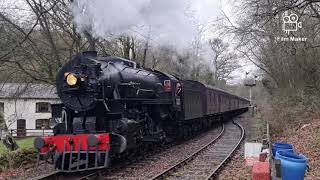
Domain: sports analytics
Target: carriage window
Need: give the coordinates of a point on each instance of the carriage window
(1, 107)
(43, 107)
(42, 123)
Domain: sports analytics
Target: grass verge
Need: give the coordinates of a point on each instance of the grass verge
(23, 156)
(23, 143)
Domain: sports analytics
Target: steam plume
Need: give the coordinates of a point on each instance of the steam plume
(165, 21)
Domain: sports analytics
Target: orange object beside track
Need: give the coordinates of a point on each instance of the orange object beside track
(261, 171)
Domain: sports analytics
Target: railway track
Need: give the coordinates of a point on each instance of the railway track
(208, 160)
(203, 163)
(135, 168)
(156, 163)
(58, 175)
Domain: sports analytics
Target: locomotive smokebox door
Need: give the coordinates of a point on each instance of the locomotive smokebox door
(78, 82)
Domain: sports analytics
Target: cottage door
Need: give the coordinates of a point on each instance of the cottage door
(21, 127)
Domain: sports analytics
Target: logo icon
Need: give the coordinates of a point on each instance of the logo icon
(290, 23)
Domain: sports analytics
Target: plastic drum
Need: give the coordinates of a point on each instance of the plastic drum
(293, 166)
(281, 146)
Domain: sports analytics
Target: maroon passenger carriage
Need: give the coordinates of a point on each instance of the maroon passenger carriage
(111, 108)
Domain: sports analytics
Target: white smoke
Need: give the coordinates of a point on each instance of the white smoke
(164, 21)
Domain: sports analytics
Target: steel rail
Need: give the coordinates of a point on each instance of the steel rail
(59, 175)
(215, 171)
(187, 159)
(53, 175)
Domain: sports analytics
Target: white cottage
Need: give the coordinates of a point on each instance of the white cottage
(27, 107)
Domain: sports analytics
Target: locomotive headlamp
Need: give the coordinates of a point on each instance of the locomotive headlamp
(71, 79)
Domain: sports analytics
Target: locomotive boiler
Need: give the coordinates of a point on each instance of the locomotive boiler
(112, 107)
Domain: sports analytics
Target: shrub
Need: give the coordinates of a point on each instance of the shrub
(289, 111)
(17, 159)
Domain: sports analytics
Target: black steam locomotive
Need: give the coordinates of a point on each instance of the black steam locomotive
(113, 107)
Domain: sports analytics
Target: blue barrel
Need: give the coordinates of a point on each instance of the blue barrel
(281, 146)
(293, 166)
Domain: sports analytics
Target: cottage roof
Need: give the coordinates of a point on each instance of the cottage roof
(27, 90)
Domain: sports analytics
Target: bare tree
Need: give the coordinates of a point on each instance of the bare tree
(289, 69)
(259, 34)
(224, 62)
(43, 45)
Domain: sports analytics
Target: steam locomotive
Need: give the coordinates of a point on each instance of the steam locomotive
(113, 107)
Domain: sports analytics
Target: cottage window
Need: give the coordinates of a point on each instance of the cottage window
(1, 107)
(43, 107)
(42, 123)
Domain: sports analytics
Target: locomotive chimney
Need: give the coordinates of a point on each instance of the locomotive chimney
(90, 53)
